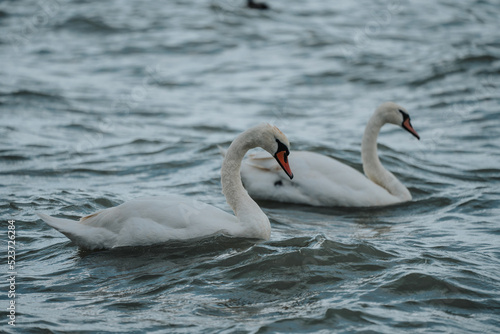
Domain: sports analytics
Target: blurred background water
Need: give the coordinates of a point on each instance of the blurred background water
(102, 102)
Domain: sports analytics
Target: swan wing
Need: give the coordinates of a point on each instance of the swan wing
(318, 180)
(84, 236)
(147, 221)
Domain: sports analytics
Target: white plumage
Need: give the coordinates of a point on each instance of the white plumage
(153, 220)
(323, 181)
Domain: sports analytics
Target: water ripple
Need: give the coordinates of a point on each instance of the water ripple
(104, 102)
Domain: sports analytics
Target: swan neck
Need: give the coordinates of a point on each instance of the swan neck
(372, 166)
(244, 207)
(369, 154)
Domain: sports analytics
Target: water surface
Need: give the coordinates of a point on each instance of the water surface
(104, 102)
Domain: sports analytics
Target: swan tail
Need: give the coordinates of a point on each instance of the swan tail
(85, 236)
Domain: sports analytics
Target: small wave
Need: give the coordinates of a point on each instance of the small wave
(209, 128)
(486, 173)
(449, 92)
(326, 77)
(434, 75)
(476, 201)
(135, 142)
(420, 282)
(473, 59)
(86, 127)
(127, 306)
(465, 304)
(459, 65)
(283, 256)
(88, 25)
(332, 317)
(30, 94)
(58, 172)
(13, 157)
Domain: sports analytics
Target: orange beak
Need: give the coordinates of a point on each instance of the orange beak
(282, 159)
(407, 126)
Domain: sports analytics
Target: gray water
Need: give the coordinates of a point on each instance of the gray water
(102, 102)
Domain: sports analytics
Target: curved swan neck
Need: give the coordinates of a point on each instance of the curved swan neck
(237, 197)
(372, 166)
(369, 154)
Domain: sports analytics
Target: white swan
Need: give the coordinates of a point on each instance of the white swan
(323, 181)
(154, 220)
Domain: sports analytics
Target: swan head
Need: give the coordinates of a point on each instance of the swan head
(276, 143)
(393, 113)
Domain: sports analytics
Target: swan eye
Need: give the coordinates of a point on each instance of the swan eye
(282, 148)
(405, 115)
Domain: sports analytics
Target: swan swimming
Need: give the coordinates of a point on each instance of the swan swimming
(147, 221)
(323, 181)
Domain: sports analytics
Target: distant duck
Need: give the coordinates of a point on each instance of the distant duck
(152, 220)
(323, 181)
(257, 5)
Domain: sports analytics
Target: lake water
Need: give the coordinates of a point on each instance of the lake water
(102, 102)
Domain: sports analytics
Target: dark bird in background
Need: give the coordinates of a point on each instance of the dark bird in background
(257, 5)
